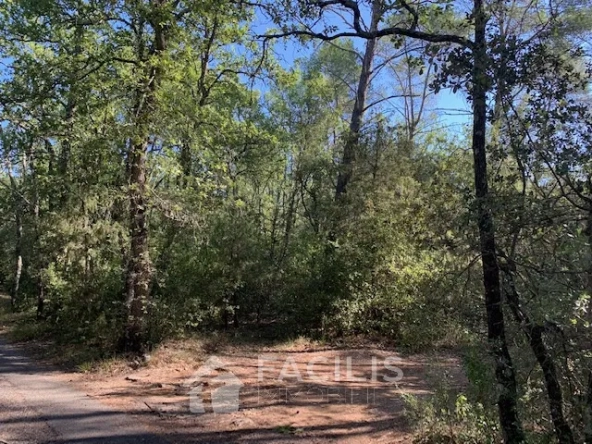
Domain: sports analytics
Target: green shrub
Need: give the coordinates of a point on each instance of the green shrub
(447, 420)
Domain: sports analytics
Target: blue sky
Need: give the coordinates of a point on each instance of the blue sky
(452, 109)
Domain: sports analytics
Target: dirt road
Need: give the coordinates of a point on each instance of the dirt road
(302, 394)
(36, 407)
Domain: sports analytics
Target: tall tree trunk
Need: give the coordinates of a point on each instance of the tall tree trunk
(534, 333)
(504, 369)
(589, 235)
(18, 245)
(357, 117)
(139, 267)
(289, 217)
(40, 259)
(588, 400)
(554, 394)
(204, 90)
(139, 272)
(588, 414)
(65, 153)
(18, 255)
(69, 112)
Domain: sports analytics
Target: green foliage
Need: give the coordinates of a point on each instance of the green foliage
(445, 419)
(243, 226)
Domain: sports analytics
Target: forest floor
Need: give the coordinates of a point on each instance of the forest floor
(294, 392)
(275, 404)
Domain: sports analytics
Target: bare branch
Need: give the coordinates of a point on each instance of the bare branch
(406, 32)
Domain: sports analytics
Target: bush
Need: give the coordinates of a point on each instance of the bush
(446, 420)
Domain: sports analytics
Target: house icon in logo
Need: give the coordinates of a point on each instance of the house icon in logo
(225, 388)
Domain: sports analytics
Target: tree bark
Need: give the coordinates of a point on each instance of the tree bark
(534, 333)
(18, 246)
(554, 394)
(588, 424)
(40, 259)
(504, 369)
(589, 235)
(139, 267)
(289, 217)
(357, 117)
(588, 401)
(69, 112)
(14, 294)
(139, 273)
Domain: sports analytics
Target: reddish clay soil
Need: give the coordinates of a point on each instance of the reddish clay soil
(301, 393)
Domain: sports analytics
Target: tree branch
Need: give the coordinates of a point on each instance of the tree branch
(406, 32)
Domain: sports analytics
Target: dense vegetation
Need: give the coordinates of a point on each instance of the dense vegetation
(171, 166)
